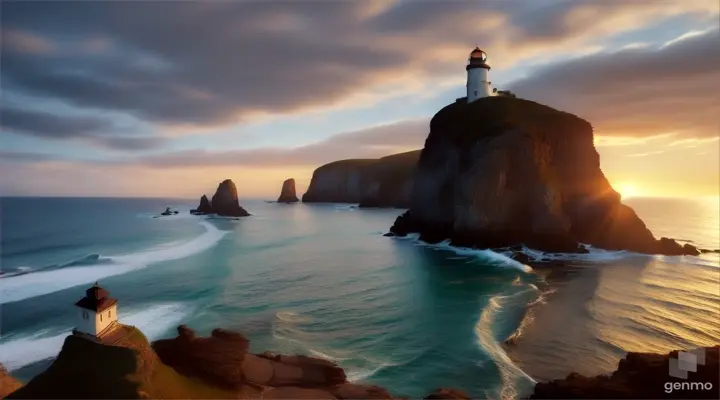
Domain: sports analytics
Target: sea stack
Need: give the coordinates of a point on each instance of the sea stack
(501, 171)
(287, 194)
(225, 201)
(204, 207)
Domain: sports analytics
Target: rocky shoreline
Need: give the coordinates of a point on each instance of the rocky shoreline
(220, 366)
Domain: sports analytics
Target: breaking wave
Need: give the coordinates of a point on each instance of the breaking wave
(18, 351)
(94, 267)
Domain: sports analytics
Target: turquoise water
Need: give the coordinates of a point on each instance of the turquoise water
(314, 279)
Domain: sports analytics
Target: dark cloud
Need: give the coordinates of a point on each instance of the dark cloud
(215, 62)
(639, 91)
(373, 142)
(95, 130)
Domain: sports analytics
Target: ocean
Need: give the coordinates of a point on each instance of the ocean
(321, 280)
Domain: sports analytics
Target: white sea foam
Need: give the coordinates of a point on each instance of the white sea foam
(20, 287)
(495, 258)
(19, 351)
(512, 376)
(362, 374)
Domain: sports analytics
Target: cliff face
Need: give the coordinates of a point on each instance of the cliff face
(287, 193)
(640, 376)
(224, 202)
(383, 182)
(502, 171)
(126, 366)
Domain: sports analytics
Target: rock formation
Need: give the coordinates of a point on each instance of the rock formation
(383, 182)
(191, 367)
(8, 384)
(204, 207)
(287, 194)
(502, 171)
(639, 376)
(224, 202)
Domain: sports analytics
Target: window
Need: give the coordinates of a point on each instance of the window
(100, 317)
(109, 313)
(476, 93)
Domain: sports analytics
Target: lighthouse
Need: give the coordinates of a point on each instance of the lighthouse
(477, 76)
(97, 314)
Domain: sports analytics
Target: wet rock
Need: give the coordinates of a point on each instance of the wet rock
(444, 393)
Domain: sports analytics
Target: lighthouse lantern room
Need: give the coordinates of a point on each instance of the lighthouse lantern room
(477, 76)
(97, 313)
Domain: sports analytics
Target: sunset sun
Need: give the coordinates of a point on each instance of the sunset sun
(627, 190)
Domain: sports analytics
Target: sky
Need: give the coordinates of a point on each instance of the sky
(168, 98)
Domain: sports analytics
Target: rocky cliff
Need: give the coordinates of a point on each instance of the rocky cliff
(503, 171)
(641, 376)
(224, 202)
(383, 182)
(287, 193)
(126, 366)
(8, 384)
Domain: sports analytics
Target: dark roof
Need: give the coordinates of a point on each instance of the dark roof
(96, 299)
(96, 305)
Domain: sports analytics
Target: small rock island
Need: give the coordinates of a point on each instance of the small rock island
(287, 193)
(224, 202)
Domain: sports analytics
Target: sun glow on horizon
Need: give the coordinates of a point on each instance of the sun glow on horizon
(627, 190)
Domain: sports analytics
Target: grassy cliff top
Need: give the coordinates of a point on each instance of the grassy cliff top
(407, 158)
(128, 369)
(491, 116)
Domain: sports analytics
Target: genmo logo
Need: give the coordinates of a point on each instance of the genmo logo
(686, 361)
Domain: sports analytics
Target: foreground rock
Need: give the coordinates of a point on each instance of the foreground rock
(224, 202)
(502, 171)
(126, 366)
(640, 376)
(384, 182)
(8, 384)
(287, 194)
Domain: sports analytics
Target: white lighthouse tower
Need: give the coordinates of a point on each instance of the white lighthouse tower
(97, 313)
(477, 76)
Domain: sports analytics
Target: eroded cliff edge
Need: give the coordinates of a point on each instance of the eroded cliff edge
(503, 171)
(383, 182)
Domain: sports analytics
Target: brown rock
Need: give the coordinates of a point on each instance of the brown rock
(257, 369)
(445, 393)
(8, 384)
(218, 359)
(639, 376)
(204, 207)
(291, 393)
(287, 194)
(353, 391)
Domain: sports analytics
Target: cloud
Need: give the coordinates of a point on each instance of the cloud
(219, 62)
(638, 91)
(372, 142)
(95, 130)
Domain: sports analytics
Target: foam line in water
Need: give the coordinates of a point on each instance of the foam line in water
(19, 351)
(487, 254)
(512, 376)
(20, 287)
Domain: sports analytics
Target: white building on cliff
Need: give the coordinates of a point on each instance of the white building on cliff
(477, 69)
(97, 313)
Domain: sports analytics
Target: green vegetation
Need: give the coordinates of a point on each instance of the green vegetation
(128, 369)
